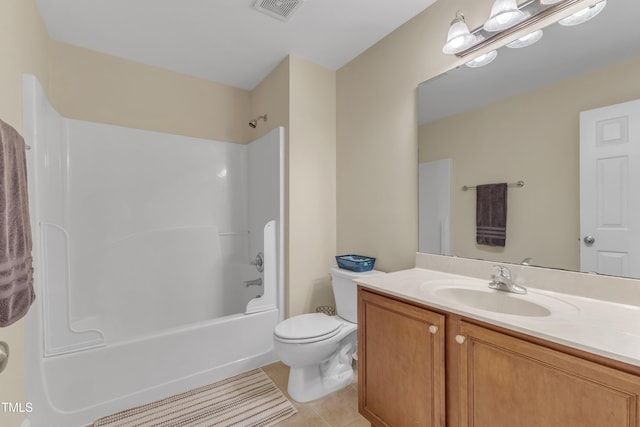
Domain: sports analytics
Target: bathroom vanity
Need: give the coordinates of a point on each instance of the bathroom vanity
(441, 349)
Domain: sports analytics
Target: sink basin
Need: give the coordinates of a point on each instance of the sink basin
(475, 294)
(496, 301)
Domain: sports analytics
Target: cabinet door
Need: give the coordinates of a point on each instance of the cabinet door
(401, 363)
(508, 382)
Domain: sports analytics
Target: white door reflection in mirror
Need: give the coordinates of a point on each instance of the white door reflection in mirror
(609, 190)
(434, 200)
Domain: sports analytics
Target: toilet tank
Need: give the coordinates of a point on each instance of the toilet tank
(345, 291)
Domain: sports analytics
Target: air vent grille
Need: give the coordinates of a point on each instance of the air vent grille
(279, 9)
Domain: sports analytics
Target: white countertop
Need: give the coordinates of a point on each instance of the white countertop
(604, 328)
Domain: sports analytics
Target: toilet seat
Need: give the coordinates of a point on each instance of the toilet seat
(307, 328)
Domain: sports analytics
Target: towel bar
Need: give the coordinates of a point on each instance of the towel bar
(513, 184)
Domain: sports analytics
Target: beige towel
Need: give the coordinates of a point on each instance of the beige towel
(16, 271)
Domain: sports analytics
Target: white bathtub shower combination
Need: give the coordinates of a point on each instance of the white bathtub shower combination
(142, 249)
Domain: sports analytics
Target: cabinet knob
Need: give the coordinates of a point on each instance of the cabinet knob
(433, 329)
(460, 339)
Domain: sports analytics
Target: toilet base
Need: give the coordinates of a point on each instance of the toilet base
(313, 382)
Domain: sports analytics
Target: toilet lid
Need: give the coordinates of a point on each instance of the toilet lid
(314, 326)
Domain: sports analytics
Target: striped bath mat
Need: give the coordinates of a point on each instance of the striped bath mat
(248, 399)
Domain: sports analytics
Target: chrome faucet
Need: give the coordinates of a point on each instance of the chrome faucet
(502, 281)
(526, 261)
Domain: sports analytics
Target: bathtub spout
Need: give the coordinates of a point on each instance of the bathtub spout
(255, 282)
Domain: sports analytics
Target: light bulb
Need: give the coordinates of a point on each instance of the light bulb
(458, 37)
(527, 40)
(504, 14)
(583, 15)
(482, 60)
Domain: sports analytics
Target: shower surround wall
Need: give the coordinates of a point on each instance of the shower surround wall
(152, 220)
(142, 241)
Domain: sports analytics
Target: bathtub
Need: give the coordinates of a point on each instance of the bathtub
(116, 377)
(75, 388)
(88, 354)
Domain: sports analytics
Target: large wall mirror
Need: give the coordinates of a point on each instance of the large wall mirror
(519, 119)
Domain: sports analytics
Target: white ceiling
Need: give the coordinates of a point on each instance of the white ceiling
(225, 41)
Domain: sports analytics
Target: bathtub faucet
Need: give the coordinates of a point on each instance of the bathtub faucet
(258, 262)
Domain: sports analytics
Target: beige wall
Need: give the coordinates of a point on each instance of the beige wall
(312, 185)
(271, 97)
(543, 152)
(22, 50)
(377, 140)
(92, 86)
(300, 95)
(377, 153)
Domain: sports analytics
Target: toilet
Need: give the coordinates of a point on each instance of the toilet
(319, 348)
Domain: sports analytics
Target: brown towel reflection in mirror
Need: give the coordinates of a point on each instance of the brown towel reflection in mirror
(491, 214)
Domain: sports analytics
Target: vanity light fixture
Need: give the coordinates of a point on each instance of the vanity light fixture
(527, 40)
(506, 19)
(482, 60)
(583, 15)
(458, 38)
(504, 14)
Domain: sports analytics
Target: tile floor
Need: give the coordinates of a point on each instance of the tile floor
(339, 409)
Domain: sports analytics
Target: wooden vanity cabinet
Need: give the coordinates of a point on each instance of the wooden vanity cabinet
(494, 378)
(401, 377)
(507, 381)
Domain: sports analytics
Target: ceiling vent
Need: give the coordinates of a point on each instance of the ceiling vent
(279, 9)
